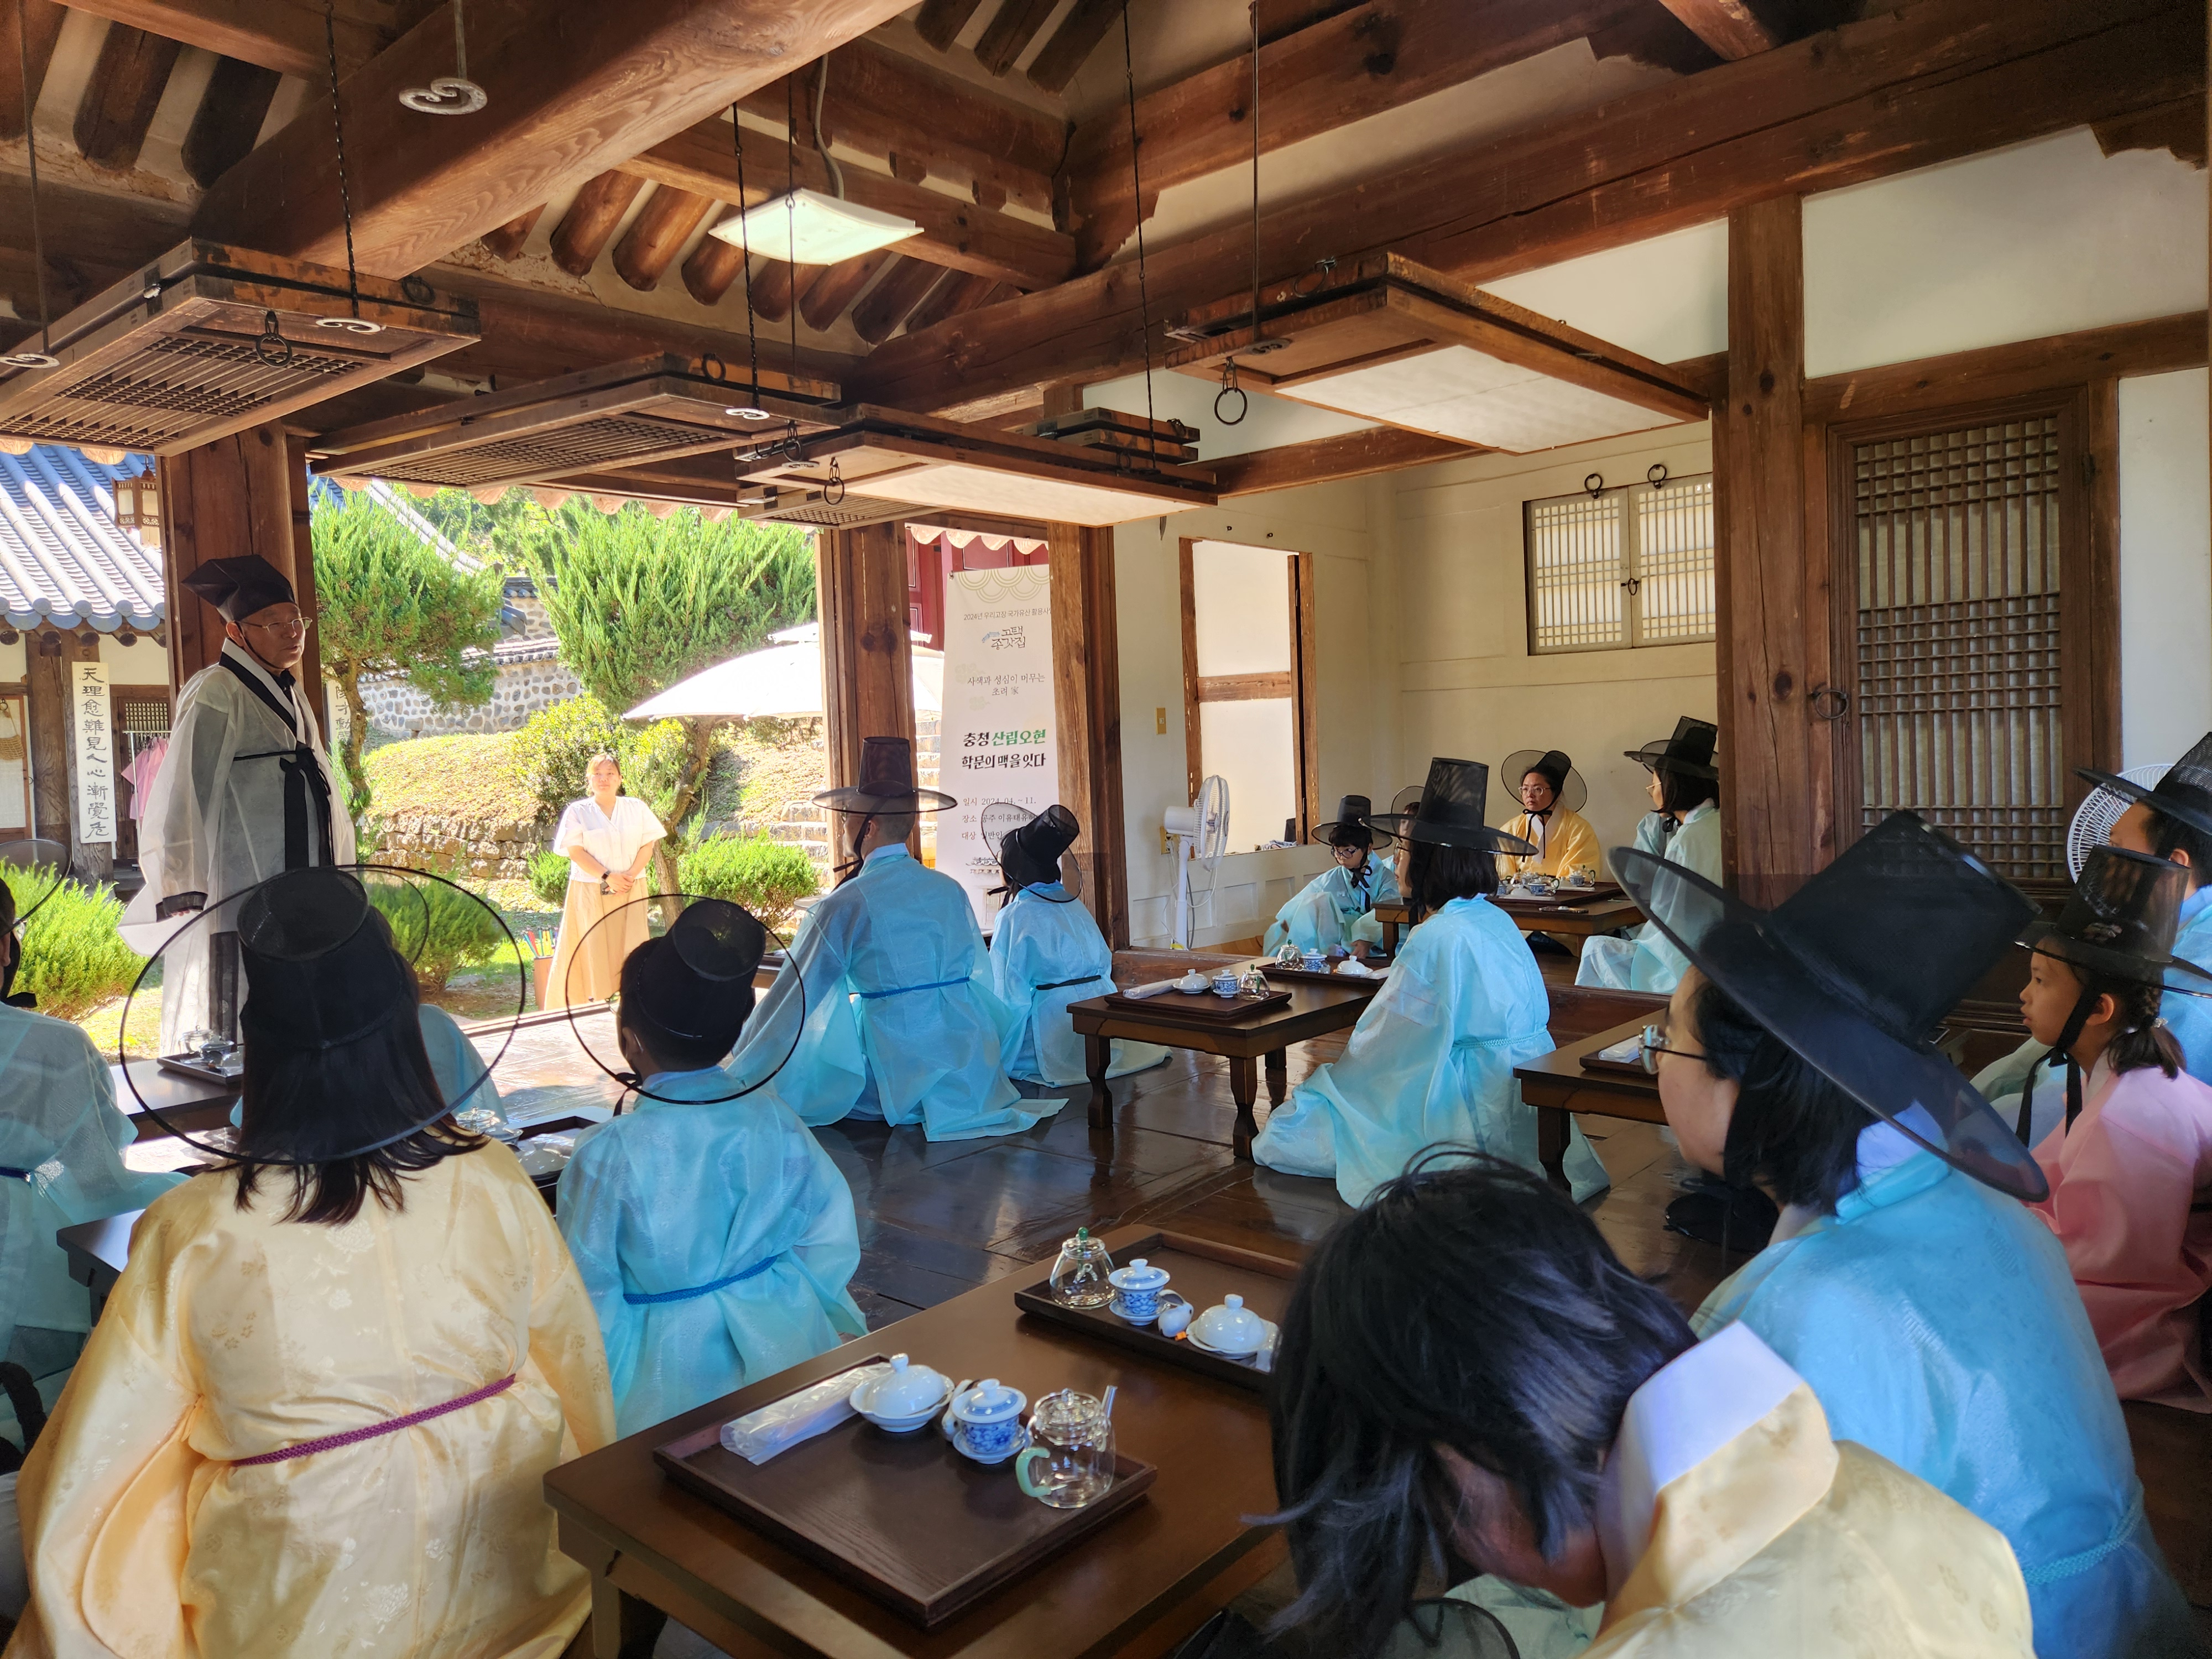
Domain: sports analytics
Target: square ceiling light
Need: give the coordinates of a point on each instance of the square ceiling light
(921, 459)
(1393, 341)
(806, 228)
(626, 413)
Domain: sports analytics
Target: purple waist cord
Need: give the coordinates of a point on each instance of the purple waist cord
(390, 1426)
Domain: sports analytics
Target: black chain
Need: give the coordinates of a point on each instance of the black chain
(1144, 298)
(31, 148)
(338, 129)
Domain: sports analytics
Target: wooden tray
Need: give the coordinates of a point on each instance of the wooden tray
(1304, 977)
(550, 1185)
(1204, 1272)
(190, 1066)
(1590, 1063)
(903, 1518)
(1604, 889)
(1198, 1005)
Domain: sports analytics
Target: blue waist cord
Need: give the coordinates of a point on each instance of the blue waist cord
(16, 1174)
(934, 985)
(639, 1298)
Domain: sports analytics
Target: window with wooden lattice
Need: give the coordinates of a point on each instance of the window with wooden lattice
(1621, 569)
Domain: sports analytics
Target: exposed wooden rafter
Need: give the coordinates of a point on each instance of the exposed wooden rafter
(667, 221)
(506, 241)
(585, 228)
(124, 91)
(1901, 90)
(1731, 28)
(961, 235)
(903, 286)
(574, 87)
(44, 19)
(1010, 30)
(711, 268)
(939, 21)
(284, 35)
(839, 286)
(960, 291)
(228, 118)
(1074, 40)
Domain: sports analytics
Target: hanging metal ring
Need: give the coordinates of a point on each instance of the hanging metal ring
(1313, 279)
(712, 367)
(1829, 702)
(417, 290)
(1228, 385)
(832, 493)
(272, 348)
(1593, 485)
(1656, 477)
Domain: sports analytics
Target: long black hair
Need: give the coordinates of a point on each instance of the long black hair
(1679, 792)
(1794, 1135)
(1469, 1304)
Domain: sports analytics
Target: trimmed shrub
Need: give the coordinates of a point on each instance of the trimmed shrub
(768, 877)
(445, 930)
(72, 959)
(551, 758)
(549, 878)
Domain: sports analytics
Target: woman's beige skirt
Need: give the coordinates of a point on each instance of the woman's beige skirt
(587, 957)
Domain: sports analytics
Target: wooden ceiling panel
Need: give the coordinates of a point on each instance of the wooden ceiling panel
(124, 91)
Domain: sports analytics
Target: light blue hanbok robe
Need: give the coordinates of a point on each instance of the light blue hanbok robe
(455, 1062)
(901, 1022)
(715, 1239)
(1648, 960)
(1430, 1060)
(1654, 831)
(1334, 908)
(1046, 953)
(1938, 1323)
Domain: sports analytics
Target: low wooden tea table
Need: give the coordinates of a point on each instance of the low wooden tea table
(1313, 1011)
(1557, 1085)
(1572, 915)
(1133, 1590)
(97, 1251)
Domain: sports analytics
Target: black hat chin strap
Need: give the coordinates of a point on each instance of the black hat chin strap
(2060, 1050)
(844, 868)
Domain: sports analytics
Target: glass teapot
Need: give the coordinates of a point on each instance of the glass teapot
(1078, 1278)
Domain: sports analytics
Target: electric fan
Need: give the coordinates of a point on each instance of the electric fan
(2100, 811)
(1200, 832)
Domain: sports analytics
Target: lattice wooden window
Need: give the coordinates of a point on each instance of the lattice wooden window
(1628, 567)
(1958, 541)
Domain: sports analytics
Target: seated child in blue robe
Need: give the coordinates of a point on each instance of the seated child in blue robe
(1335, 911)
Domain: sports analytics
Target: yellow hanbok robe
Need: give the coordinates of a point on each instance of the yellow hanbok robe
(231, 1334)
(1564, 842)
(1746, 1532)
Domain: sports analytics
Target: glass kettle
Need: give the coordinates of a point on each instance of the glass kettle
(1078, 1278)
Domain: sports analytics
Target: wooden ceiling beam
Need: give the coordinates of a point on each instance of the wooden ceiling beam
(1731, 28)
(228, 118)
(506, 242)
(905, 286)
(959, 234)
(1340, 70)
(574, 87)
(284, 35)
(44, 19)
(777, 287)
(1072, 43)
(590, 221)
(1008, 34)
(838, 287)
(668, 220)
(939, 21)
(961, 290)
(124, 91)
(1324, 460)
(710, 269)
(1902, 89)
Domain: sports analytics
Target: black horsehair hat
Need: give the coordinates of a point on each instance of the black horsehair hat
(1350, 827)
(239, 586)
(1454, 803)
(887, 783)
(1856, 971)
(696, 982)
(2185, 793)
(1568, 789)
(2120, 921)
(1029, 854)
(1689, 751)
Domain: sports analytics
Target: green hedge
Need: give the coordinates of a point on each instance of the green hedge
(768, 877)
(72, 959)
(549, 878)
(460, 930)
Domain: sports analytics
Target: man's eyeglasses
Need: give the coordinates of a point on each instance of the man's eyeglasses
(292, 629)
(1654, 1044)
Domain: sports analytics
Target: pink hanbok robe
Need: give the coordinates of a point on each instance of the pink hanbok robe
(2123, 1182)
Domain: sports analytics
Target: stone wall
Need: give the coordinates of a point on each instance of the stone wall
(457, 847)
(396, 709)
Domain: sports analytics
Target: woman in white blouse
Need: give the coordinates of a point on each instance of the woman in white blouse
(608, 838)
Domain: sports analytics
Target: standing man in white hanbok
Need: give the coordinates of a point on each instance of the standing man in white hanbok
(245, 791)
(1683, 827)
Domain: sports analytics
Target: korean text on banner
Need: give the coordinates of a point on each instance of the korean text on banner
(996, 740)
(93, 741)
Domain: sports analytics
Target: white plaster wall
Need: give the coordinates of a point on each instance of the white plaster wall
(14, 661)
(140, 663)
(2166, 567)
(2042, 238)
(1468, 686)
(1666, 299)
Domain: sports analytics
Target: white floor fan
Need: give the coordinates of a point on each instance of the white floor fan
(2100, 809)
(1201, 833)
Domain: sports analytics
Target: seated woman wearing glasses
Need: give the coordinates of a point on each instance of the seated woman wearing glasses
(1932, 1313)
(1335, 911)
(1433, 1056)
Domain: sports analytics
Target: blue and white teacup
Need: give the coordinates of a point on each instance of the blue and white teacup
(1226, 983)
(1137, 1288)
(1313, 963)
(986, 1420)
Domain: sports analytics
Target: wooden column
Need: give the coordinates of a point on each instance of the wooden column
(1086, 669)
(867, 669)
(303, 579)
(227, 498)
(1758, 462)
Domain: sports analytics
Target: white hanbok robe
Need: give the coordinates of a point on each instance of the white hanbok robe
(900, 1021)
(1047, 953)
(1431, 1062)
(1335, 908)
(1647, 960)
(215, 819)
(715, 1239)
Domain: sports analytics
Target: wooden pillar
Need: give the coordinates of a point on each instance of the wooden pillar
(53, 796)
(1086, 669)
(303, 579)
(867, 668)
(1765, 621)
(225, 499)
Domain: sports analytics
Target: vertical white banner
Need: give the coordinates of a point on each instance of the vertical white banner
(995, 743)
(95, 752)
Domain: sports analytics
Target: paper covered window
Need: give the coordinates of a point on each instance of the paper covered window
(1622, 568)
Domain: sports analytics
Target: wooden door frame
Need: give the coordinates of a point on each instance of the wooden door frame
(1303, 676)
(2088, 572)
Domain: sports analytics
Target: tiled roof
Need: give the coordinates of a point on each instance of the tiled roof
(62, 559)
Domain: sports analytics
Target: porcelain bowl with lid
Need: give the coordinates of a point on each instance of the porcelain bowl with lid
(902, 1399)
(1230, 1328)
(1137, 1288)
(985, 1421)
